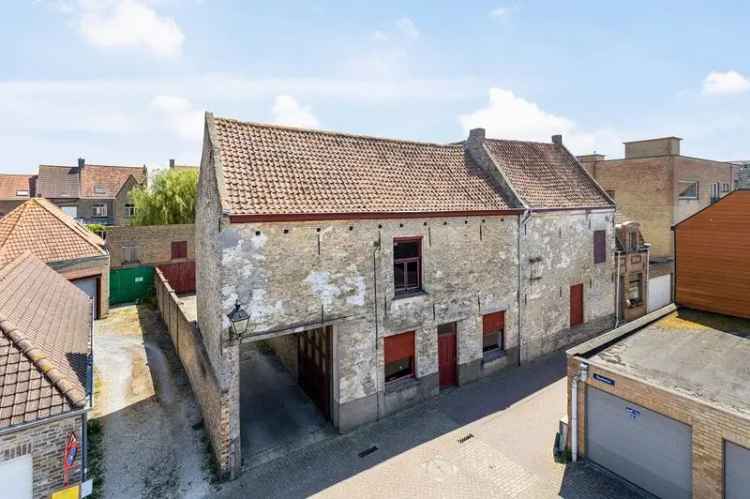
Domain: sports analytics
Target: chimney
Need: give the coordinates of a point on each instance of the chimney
(171, 163)
(81, 162)
(557, 140)
(591, 158)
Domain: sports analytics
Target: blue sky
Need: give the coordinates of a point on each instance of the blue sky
(127, 81)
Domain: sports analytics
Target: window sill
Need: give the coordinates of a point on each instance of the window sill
(492, 356)
(410, 295)
(401, 384)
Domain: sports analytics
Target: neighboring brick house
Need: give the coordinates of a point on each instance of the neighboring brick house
(150, 244)
(743, 174)
(45, 377)
(79, 255)
(657, 187)
(388, 268)
(91, 193)
(14, 190)
(664, 402)
(632, 268)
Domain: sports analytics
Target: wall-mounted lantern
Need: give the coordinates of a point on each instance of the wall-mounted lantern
(239, 320)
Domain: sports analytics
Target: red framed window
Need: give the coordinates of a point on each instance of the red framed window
(399, 356)
(600, 246)
(407, 265)
(179, 249)
(493, 329)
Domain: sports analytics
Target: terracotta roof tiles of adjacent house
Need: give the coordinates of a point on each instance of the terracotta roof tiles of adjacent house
(546, 175)
(89, 181)
(45, 325)
(277, 170)
(14, 187)
(42, 228)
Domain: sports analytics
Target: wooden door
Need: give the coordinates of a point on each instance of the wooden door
(576, 305)
(314, 353)
(447, 358)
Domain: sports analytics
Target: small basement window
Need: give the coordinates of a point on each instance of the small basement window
(493, 329)
(407, 265)
(688, 189)
(399, 356)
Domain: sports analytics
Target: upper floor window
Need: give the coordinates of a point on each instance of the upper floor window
(179, 250)
(98, 189)
(407, 265)
(688, 189)
(22, 193)
(600, 246)
(129, 210)
(100, 210)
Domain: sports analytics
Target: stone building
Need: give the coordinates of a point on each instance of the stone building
(381, 270)
(45, 378)
(657, 187)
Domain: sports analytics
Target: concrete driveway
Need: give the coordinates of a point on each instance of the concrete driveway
(493, 438)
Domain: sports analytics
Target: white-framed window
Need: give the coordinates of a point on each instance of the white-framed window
(22, 193)
(129, 253)
(129, 210)
(689, 189)
(99, 189)
(100, 210)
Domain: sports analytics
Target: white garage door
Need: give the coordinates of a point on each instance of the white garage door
(736, 475)
(648, 449)
(16, 477)
(88, 286)
(659, 292)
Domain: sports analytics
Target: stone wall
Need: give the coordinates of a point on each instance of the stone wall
(46, 444)
(557, 252)
(153, 243)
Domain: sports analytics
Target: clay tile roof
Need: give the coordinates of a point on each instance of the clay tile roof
(45, 325)
(546, 175)
(12, 185)
(91, 181)
(43, 229)
(286, 171)
(58, 182)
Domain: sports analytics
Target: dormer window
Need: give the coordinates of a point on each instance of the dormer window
(98, 189)
(22, 193)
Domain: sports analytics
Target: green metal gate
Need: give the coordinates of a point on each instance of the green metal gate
(130, 284)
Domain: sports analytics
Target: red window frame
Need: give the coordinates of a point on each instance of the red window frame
(407, 288)
(179, 249)
(399, 349)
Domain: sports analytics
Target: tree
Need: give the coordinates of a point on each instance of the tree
(170, 200)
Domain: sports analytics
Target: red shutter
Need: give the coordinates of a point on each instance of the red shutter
(399, 346)
(493, 323)
(576, 305)
(600, 246)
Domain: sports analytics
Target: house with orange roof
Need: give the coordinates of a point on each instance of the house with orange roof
(40, 227)
(14, 190)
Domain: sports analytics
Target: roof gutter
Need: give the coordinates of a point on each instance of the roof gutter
(299, 217)
(51, 419)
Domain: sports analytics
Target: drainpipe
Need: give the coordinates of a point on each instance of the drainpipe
(648, 273)
(617, 290)
(582, 375)
(375, 249)
(521, 224)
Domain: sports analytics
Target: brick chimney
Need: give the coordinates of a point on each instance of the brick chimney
(171, 163)
(81, 162)
(557, 140)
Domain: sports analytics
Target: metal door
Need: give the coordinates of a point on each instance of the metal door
(447, 354)
(736, 471)
(314, 352)
(648, 449)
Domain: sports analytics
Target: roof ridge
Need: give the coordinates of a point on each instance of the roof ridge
(90, 237)
(519, 141)
(139, 167)
(21, 210)
(334, 133)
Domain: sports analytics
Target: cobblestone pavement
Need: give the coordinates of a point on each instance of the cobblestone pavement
(493, 438)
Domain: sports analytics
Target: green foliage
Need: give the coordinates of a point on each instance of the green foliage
(96, 228)
(171, 199)
(96, 457)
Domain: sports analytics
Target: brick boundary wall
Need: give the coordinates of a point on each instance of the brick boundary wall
(213, 399)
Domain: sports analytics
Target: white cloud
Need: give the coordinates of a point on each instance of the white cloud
(407, 27)
(499, 12)
(287, 111)
(180, 116)
(380, 36)
(125, 24)
(727, 83)
(508, 116)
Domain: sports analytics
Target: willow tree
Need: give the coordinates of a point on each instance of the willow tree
(170, 199)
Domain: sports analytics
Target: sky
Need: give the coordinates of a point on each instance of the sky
(128, 81)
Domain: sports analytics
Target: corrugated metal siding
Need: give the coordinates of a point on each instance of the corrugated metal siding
(130, 284)
(713, 258)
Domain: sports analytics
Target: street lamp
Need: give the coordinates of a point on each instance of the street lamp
(239, 320)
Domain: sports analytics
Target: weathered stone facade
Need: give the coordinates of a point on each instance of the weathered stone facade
(45, 442)
(152, 243)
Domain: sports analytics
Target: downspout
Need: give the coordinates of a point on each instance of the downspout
(521, 224)
(375, 249)
(648, 273)
(581, 375)
(90, 390)
(617, 290)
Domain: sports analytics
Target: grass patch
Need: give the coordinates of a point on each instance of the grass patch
(96, 457)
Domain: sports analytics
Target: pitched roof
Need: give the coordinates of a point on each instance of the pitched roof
(276, 170)
(45, 324)
(91, 181)
(43, 229)
(546, 175)
(11, 185)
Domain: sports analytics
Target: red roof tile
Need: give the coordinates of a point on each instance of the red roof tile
(45, 325)
(43, 229)
(11, 186)
(91, 181)
(277, 170)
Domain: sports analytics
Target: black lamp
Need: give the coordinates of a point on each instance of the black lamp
(239, 320)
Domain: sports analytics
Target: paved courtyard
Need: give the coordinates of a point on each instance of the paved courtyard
(493, 438)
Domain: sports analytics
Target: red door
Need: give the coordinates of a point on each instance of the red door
(576, 305)
(447, 354)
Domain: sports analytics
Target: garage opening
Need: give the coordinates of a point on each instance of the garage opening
(285, 394)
